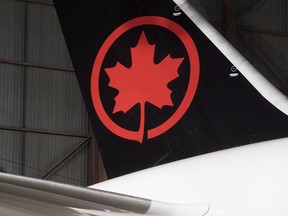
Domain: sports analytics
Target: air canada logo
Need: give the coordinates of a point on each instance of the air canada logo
(137, 75)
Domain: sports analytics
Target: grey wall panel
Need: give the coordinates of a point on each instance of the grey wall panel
(39, 99)
(54, 102)
(45, 1)
(11, 96)
(10, 151)
(46, 45)
(240, 4)
(76, 169)
(12, 30)
(285, 8)
(268, 53)
(43, 152)
(275, 52)
(268, 46)
(266, 15)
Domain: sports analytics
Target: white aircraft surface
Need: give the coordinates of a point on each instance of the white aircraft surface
(249, 180)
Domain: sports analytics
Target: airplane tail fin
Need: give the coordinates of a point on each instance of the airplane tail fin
(160, 84)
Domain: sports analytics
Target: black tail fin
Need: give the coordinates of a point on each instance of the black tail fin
(155, 86)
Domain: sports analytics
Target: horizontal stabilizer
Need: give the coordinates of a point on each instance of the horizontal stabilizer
(27, 196)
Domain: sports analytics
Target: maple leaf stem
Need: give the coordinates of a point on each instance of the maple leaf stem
(142, 122)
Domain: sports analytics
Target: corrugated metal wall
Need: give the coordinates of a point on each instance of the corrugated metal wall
(11, 84)
(43, 123)
(42, 115)
(262, 29)
(261, 32)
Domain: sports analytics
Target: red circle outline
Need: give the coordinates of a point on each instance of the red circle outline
(191, 49)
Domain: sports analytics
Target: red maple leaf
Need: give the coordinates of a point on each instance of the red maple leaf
(144, 81)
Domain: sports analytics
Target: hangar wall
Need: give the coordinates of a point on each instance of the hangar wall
(44, 128)
(257, 28)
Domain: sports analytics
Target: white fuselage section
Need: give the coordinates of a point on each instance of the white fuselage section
(246, 181)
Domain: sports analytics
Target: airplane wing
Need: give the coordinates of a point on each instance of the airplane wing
(22, 196)
(249, 180)
(27, 196)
